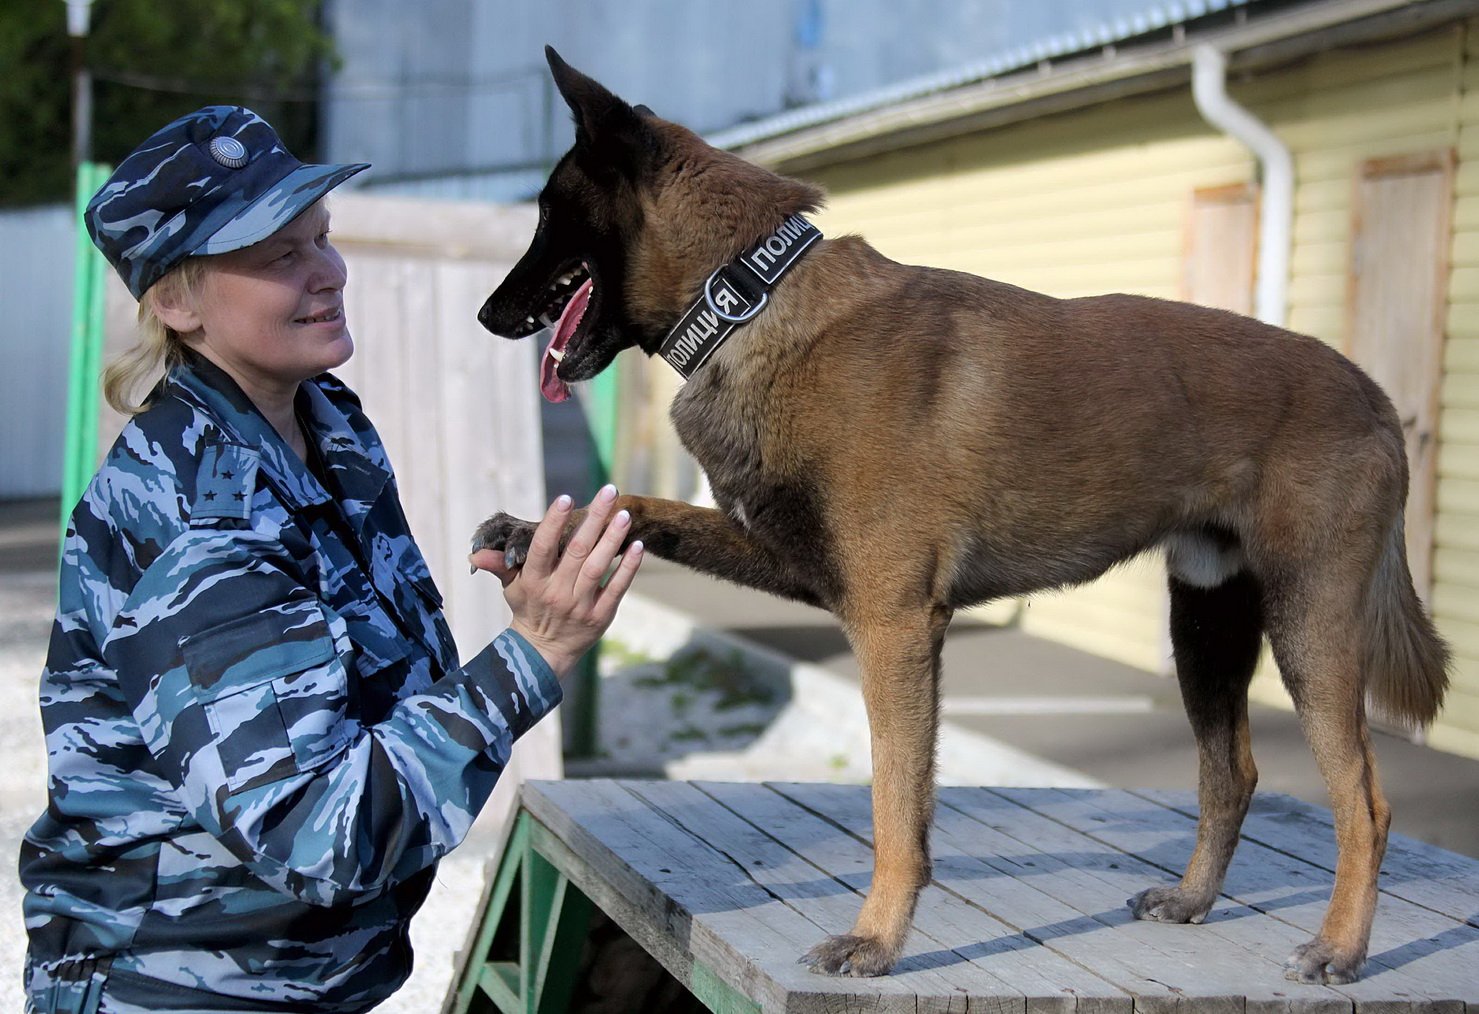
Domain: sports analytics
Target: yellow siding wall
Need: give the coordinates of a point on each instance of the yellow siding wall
(1096, 201)
(1071, 205)
(1456, 567)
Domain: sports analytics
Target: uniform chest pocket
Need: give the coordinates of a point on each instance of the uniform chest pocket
(274, 692)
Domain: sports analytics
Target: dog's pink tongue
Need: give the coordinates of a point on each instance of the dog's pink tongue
(550, 385)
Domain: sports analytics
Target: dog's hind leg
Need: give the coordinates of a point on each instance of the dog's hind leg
(1215, 634)
(1315, 629)
(899, 653)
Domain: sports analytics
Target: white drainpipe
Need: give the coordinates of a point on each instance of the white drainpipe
(1209, 89)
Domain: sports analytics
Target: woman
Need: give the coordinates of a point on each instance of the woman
(260, 738)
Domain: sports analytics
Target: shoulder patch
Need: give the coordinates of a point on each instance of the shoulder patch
(225, 483)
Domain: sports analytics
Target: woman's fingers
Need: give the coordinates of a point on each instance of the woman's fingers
(583, 542)
(544, 545)
(593, 570)
(615, 588)
(494, 562)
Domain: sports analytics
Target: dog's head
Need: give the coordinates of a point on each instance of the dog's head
(632, 220)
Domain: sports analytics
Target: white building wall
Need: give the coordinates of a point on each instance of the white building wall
(36, 252)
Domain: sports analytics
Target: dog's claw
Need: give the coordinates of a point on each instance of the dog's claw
(505, 534)
(847, 954)
(1317, 962)
(1168, 904)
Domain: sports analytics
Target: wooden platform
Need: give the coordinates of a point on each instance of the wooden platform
(726, 884)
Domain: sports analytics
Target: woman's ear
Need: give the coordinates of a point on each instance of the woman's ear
(174, 307)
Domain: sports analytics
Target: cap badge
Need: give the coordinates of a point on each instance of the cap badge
(228, 151)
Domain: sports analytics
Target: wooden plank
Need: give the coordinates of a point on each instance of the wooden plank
(1224, 958)
(978, 940)
(1414, 871)
(1412, 964)
(447, 229)
(699, 899)
(818, 889)
(985, 870)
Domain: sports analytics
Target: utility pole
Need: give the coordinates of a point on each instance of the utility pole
(79, 15)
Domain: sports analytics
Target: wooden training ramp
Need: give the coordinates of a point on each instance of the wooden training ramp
(727, 884)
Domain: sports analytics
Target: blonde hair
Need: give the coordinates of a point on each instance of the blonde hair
(159, 347)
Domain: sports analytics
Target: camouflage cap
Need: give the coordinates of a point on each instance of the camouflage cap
(215, 180)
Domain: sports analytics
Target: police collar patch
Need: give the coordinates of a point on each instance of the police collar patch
(734, 294)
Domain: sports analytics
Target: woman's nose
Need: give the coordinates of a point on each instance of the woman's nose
(329, 271)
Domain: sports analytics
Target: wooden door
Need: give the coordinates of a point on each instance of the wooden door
(1398, 287)
(1221, 248)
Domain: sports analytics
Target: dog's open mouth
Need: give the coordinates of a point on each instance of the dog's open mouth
(568, 297)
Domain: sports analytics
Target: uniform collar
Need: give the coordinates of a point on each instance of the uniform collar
(360, 471)
(357, 466)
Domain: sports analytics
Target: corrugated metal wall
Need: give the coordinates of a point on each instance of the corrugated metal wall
(1097, 200)
(36, 251)
(468, 111)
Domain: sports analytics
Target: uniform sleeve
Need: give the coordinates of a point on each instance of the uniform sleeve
(238, 676)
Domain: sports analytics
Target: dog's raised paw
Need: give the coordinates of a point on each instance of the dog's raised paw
(1168, 904)
(506, 533)
(846, 954)
(1319, 962)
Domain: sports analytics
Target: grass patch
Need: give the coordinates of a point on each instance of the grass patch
(725, 676)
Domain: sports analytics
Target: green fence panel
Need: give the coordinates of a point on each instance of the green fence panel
(90, 273)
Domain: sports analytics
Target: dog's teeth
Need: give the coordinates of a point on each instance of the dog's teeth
(545, 320)
(528, 320)
(558, 355)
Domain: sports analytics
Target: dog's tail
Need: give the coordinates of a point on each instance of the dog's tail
(1406, 660)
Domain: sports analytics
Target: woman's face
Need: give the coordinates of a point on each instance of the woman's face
(273, 313)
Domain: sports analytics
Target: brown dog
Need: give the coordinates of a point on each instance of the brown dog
(896, 442)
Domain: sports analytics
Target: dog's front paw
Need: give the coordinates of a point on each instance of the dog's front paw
(1320, 961)
(507, 534)
(1169, 904)
(846, 954)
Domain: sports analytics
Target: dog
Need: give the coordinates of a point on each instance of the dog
(894, 443)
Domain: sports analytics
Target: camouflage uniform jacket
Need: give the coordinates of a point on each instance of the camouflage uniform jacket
(259, 737)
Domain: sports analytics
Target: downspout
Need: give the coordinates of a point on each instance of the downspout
(1276, 226)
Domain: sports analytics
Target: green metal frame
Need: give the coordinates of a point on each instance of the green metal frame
(90, 274)
(551, 917)
(526, 955)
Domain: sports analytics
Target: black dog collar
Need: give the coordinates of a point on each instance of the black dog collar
(734, 294)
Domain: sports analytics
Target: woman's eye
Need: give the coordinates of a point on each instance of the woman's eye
(323, 239)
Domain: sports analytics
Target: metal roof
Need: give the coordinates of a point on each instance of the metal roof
(1111, 32)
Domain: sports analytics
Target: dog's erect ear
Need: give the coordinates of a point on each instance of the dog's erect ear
(601, 118)
(590, 101)
(616, 137)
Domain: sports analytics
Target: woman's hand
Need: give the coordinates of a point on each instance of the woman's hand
(559, 603)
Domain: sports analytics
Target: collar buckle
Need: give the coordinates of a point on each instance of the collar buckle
(719, 310)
